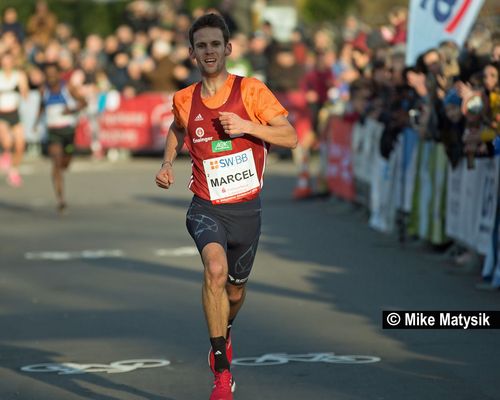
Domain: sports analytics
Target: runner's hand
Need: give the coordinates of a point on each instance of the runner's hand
(165, 177)
(233, 124)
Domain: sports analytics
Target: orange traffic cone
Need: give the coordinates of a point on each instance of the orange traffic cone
(303, 188)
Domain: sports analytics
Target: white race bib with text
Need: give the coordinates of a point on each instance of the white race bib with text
(231, 177)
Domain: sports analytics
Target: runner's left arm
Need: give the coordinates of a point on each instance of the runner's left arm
(279, 131)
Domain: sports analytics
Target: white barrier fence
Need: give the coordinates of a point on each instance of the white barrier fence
(441, 203)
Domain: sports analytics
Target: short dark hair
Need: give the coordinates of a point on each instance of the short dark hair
(209, 21)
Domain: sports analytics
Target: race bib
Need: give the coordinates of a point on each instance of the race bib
(231, 177)
(57, 118)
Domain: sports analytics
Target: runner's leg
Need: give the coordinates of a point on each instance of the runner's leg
(6, 144)
(216, 302)
(214, 295)
(66, 160)
(243, 239)
(56, 155)
(68, 144)
(19, 144)
(236, 296)
(14, 178)
(6, 139)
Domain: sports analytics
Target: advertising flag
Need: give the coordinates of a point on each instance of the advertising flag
(433, 21)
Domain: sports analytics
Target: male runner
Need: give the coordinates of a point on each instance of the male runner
(227, 123)
(61, 105)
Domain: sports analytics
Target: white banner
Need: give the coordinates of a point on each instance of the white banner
(406, 168)
(283, 20)
(491, 265)
(471, 186)
(365, 148)
(454, 200)
(382, 195)
(486, 210)
(425, 193)
(433, 21)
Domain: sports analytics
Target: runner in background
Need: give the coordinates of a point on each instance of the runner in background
(13, 85)
(60, 104)
(227, 122)
(316, 84)
(284, 76)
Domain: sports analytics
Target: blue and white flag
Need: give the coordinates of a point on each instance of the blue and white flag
(433, 21)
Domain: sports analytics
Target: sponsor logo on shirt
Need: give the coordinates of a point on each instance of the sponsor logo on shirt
(214, 164)
(221, 145)
(229, 161)
(200, 132)
(203, 139)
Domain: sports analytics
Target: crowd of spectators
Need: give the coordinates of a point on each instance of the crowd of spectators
(149, 52)
(146, 52)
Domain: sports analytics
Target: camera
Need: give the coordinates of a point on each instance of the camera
(414, 115)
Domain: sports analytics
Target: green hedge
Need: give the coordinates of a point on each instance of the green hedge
(84, 16)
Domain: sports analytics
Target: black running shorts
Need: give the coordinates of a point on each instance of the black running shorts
(11, 117)
(64, 136)
(236, 227)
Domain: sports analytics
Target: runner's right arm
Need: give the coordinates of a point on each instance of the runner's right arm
(175, 140)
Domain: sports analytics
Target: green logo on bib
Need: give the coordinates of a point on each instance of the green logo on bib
(221, 145)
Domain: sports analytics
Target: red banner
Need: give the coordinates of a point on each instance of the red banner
(340, 172)
(138, 123)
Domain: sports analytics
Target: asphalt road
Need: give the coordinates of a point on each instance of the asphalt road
(117, 279)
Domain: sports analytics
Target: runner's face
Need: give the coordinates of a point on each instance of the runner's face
(210, 51)
(52, 76)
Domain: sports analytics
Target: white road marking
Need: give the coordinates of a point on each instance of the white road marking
(117, 367)
(73, 255)
(284, 358)
(185, 251)
(56, 255)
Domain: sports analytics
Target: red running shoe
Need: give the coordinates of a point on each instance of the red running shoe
(14, 179)
(229, 354)
(223, 386)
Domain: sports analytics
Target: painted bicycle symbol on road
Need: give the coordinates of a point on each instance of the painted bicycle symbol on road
(284, 358)
(117, 367)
